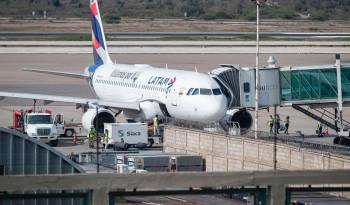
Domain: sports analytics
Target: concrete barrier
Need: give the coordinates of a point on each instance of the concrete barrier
(224, 153)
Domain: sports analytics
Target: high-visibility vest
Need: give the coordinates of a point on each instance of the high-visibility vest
(92, 133)
(270, 121)
(318, 125)
(155, 122)
(106, 138)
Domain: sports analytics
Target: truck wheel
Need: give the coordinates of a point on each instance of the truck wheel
(69, 132)
(342, 141)
(336, 140)
(141, 145)
(126, 146)
(150, 142)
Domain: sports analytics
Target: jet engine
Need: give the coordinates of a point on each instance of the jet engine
(240, 116)
(104, 116)
(148, 111)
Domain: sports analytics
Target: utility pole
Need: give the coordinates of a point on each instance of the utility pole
(34, 105)
(275, 138)
(97, 143)
(258, 4)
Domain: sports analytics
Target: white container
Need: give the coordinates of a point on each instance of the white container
(130, 133)
(122, 168)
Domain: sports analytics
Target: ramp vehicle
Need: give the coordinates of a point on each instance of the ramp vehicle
(126, 135)
(42, 126)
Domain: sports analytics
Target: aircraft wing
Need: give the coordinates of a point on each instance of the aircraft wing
(78, 101)
(60, 73)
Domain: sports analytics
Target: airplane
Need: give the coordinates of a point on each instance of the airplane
(140, 91)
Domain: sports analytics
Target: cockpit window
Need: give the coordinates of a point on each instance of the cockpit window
(189, 91)
(205, 91)
(195, 91)
(217, 91)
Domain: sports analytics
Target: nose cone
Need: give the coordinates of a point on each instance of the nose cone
(214, 109)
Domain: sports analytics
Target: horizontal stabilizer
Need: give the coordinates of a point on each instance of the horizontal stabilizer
(60, 73)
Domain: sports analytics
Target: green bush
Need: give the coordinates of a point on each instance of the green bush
(319, 16)
(56, 3)
(276, 12)
(112, 18)
(218, 15)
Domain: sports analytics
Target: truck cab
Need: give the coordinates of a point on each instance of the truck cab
(41, 126)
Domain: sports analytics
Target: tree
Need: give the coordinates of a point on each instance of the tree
(56, 3)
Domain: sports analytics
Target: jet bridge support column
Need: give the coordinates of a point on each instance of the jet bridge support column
(340, 95)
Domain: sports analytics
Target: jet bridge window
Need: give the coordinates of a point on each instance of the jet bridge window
(246, 87)
(205, 91)
(217, 91)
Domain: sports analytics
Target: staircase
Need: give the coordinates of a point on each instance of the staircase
(323, 116)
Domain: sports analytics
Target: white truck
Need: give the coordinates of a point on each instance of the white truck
(43, 127)
(126, 135)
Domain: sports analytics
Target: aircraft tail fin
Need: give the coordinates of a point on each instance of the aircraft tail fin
(99, 45)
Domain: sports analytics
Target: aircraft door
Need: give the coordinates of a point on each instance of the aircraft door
(173, 97)
(59, 123)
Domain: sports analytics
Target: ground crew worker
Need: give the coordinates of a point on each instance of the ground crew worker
(21, 120)
(277, 124)
(286, 124)
(270, 123)
(155, 126)
(91, 136)
(319, 129)
(105, 139)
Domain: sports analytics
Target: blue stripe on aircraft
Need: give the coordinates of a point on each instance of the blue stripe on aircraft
(97, 32)
(93, 68)
(97, 58)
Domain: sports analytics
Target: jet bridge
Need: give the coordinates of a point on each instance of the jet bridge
(309, 89)
(238, 84)
(228, 78)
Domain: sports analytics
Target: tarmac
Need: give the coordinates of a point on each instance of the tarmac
(13, 79)
(177, 47)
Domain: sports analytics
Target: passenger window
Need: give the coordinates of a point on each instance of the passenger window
(205, 91)
(189, 91)
(246, 87)
(195, 91)
(217, 91)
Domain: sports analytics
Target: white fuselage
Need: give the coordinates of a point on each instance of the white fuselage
(153, 87)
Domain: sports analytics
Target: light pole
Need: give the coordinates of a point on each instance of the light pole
(258, 4)
(97, 143)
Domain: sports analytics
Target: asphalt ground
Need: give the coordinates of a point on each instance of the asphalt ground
(13, 79)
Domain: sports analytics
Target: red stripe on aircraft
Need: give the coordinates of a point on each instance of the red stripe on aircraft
(95, 43)
(93, 8)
